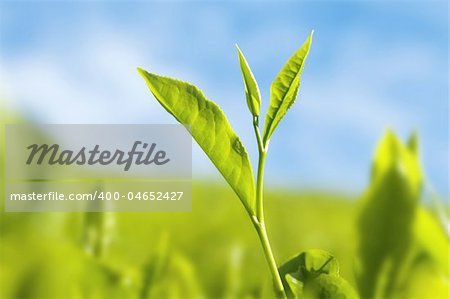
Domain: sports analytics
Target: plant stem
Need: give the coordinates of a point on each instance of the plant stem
(260, 187)
(258, 221)
(260, 175)
(262, 234)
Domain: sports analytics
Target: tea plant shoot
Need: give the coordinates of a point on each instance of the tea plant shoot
(209, 126)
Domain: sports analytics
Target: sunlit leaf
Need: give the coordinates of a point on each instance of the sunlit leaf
(329, 287)
(314, 274)
(295, 286)
(250, 84)
(386, 217)
(413, 143)
(284, 89)
(209, 126)
(427, 272)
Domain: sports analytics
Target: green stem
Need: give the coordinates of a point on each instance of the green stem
(260, 187)
(262, 234)
(258, 221)
(260, 175)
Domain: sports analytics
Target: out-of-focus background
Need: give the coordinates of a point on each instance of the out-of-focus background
(373, 65)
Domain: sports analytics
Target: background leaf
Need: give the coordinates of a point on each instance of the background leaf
(329, 287)
(392, 196)
(395, 253)
(314, 274)
(284, 89)
(209, 126)
(251, 86)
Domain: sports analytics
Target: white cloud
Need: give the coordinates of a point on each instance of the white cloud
(343, 104)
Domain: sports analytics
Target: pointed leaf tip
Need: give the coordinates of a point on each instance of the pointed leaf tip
(413, 143)
(284, 89)
(210, 128)
(252, 94)
(141, 71)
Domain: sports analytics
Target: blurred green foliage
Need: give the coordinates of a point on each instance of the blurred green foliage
(399, 241)
(210, 252)
(401, 249)
(315, 274)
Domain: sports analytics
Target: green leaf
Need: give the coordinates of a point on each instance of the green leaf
(413, 143)
(295, 285)
(386, 217)
(394, 156)
(432, 240)
(284, 89)
(251, 86)
(329, 287)
(314, 274)
(209, 126)
(308, 263)
(402, 247)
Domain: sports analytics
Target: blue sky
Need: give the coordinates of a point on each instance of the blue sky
(373, 65)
